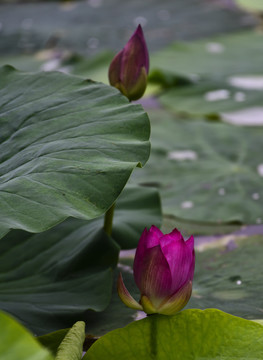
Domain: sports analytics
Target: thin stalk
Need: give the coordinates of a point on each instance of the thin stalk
(108, 220)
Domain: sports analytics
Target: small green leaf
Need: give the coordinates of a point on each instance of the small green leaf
(71, 347)
(191, 334)
(16, 342)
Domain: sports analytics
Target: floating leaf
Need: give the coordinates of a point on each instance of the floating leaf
(228, 276)
(209, 334)
(67, 148)
(212, 99)
(205, 171)
(215, 57)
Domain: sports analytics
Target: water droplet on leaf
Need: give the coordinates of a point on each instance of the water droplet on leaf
(221, 191)
(255, 196)
(247, 117)
(247, 82)
(182, 155)
(93, 43)
(217, 95)
(187, 205)
(215, 48)
(260, 169)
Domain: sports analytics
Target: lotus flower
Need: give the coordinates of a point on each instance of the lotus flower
(163, 271)
(129, 68)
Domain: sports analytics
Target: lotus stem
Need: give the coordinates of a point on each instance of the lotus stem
(108, 220)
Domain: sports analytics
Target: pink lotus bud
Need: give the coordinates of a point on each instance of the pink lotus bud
(129, 68)
(163, 271)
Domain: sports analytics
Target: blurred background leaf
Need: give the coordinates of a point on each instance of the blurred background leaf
(18, 343)
(205, 171)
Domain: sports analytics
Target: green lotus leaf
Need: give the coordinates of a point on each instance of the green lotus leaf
(191, 334)
(67, 148)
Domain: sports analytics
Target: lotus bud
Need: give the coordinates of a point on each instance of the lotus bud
(129, 69)
(163, 271)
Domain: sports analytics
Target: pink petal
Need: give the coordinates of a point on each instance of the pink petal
(140, 47)
(115, 70)
(153, 236)
(190, 244)
(179, 257)
(148, 239)
(152, 275)
(140, 35)
(135, 57)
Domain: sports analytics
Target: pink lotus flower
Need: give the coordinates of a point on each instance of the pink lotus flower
(129, 68)
(163, 271)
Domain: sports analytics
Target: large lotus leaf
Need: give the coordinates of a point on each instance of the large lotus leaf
(49, 279)
(205, 171)
(28, 27)
(216, 57)
(191, 334)
(17, 343)
(212, 99)
(67, 148)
